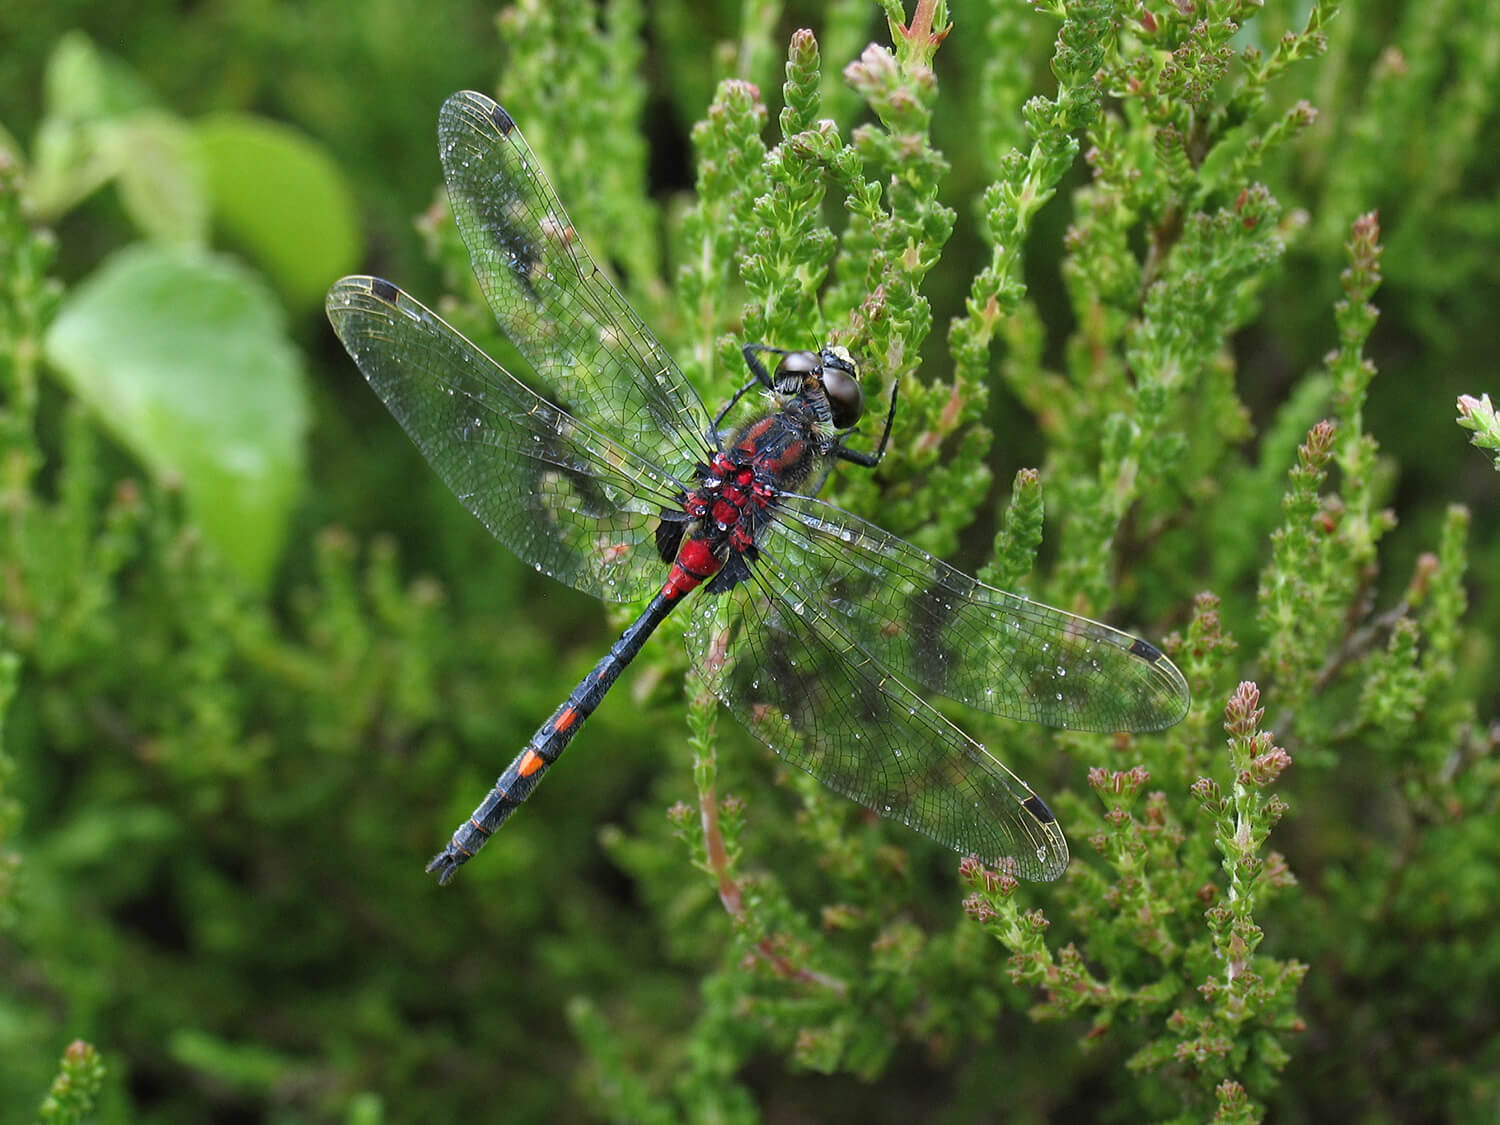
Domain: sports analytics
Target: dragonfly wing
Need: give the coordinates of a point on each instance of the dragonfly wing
(597, 357)
(790, 671)
(563, 497)
(973, 643)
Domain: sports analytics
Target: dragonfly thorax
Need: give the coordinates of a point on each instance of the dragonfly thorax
(733, 499)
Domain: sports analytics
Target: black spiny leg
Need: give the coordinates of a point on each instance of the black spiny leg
(751, 353)
(761, 378)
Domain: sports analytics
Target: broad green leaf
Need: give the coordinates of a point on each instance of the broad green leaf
(161, 177)
(282, 199)
(184, 356)
(84, 83)
(102, 123)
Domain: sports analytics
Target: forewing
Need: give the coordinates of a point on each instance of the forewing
(973, 643)
(566, 499)
(788, 670)
(597, 357)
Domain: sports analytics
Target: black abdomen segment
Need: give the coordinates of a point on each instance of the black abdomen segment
(547, 744)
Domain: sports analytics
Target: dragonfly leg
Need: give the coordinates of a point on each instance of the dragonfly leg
(716, 435)
(751, 352)
(760, 378)
(870, 460)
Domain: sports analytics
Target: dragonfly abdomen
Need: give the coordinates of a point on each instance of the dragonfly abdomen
(528, 768)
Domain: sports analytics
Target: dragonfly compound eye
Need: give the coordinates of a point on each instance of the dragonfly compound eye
(841, 385)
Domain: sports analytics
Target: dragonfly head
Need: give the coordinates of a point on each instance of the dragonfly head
(833, 372)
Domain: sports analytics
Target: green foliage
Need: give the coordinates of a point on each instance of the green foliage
(1147, 236)
(184, 356)
(271, 189)
(281, 199)
(212, 395)
(71, 1099)
(1478, 414)
(10, 808)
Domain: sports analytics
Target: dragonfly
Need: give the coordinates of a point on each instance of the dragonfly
(605, 471)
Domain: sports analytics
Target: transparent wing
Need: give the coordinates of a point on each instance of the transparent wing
(597, 357)
(956, 636)
(787, 668)
(564, 498)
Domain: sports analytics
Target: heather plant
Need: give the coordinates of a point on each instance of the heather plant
(1199, 282)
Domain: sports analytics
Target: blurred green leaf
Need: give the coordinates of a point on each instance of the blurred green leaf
(161, 178)
(84, 83)
(102, 123)
(77, 149)
(237, 1063)
(282, 198)
(69, 162)
(184, 356)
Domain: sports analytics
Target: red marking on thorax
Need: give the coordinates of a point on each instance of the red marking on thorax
(750, 441)
(789, 456)
(738, 480)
